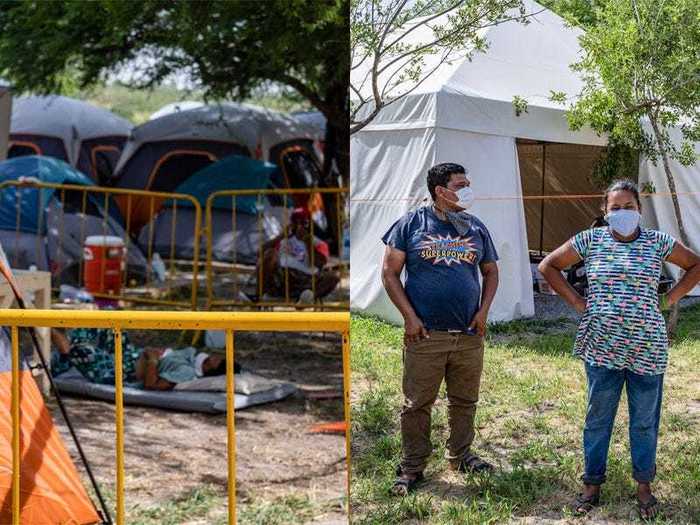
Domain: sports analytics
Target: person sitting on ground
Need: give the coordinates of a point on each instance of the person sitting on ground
(287, 266)
(91, 352)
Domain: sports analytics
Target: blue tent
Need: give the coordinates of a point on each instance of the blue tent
(43, 169)
(47, 227)
(234, 172)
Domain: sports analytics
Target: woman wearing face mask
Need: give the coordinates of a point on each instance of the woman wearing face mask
(622, 335)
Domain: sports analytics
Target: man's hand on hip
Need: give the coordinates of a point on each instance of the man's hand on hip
(479, 323)
(414, 330)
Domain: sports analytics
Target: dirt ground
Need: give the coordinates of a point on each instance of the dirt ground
(169, 454)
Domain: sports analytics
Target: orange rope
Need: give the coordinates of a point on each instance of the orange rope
(532, 197)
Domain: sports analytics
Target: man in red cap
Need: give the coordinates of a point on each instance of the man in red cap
(289, 270)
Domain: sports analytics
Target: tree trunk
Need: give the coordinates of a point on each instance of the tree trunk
(336, 163)
(675, 310)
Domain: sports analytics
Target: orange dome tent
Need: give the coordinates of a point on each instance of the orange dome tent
(51, 492)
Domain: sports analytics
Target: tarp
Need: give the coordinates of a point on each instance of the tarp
(231, 173)
(43, 169)
(568, 170)
(85, 136)
(51, 234)
(51, 490)
(240, 245)
(314, 118)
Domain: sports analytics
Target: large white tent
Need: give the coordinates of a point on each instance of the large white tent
(464, 113)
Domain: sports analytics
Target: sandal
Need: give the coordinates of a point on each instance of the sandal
(583, 505)
(403, 486)
(648, 510)
(473, 463)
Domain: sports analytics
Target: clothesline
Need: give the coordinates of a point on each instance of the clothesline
(531, 197)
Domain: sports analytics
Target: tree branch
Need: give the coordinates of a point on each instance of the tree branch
(460, 29)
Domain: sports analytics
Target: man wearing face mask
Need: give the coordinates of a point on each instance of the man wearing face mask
(443, 249)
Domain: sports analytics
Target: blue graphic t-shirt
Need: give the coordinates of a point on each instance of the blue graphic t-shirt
(442, 267)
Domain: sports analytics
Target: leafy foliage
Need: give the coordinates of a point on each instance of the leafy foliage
(227, 48)
(577, 12)
(641, 65)
(388, 63)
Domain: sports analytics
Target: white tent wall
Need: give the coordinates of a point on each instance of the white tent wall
(5, 117)
(657, 211)
(389, 179)
(492, 162)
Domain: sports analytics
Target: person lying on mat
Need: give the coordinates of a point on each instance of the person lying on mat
(622, 335)
(163, 368)
(287, 262)
(91, 352)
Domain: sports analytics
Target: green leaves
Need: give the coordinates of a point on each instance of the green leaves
(228, 47)
(642, 64)
(396, 45)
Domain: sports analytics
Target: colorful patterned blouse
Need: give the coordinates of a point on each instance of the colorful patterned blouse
(622, 327)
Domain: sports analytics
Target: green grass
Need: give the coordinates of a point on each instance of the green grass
(208, 505)
(529, 424)
(285, 510)
(204, 503)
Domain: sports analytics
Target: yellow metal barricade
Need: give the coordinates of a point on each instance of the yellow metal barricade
(135, 206)
(231, 322)
(272, 206)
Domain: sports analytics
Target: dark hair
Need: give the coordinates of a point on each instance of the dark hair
(622, 185)
(221, 369)
(439, 175)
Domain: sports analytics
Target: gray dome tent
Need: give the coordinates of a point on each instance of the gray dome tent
(87, 137)
(163, 153)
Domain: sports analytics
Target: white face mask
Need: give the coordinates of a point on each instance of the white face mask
(465, 198)
(624, 222)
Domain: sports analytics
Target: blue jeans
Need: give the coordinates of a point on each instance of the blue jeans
(644, 394)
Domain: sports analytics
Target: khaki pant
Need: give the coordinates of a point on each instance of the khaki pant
(458, 358)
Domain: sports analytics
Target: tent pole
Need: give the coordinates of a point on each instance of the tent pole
(104, 515)
(544, 163)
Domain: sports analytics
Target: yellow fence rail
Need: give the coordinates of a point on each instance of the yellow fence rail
(274, 205)
(231, 322)
(137, 207)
